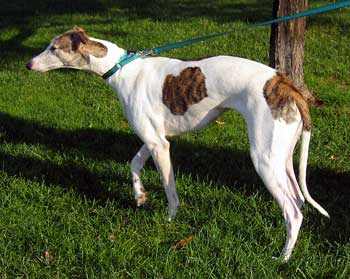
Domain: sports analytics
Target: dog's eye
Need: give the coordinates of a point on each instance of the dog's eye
(53, 48)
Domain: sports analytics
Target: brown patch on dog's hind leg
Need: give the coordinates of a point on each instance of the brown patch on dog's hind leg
(280, 94)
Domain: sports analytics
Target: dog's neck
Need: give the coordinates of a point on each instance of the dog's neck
(102, 65)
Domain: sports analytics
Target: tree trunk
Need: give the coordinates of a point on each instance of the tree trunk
(287, 40)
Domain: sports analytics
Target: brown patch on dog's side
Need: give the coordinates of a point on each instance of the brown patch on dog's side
(184, 90)
(282, 96)
(77, 40)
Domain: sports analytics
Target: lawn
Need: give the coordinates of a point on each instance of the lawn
(66, 202)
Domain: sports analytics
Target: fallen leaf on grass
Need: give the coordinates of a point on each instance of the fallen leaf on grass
(219, 122)
(112, 237)
(333, 157)
(182, 243)
(48, 256)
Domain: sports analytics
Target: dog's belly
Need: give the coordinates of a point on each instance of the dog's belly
(193, 119)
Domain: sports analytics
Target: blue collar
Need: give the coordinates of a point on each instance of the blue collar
(126, 58)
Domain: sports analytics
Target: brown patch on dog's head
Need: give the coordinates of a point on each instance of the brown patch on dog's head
(282, 96)
(77, 40)
(182, 91)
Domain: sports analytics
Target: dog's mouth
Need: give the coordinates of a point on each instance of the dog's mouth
(32, 67)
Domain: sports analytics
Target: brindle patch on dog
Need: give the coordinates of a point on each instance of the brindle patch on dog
(284, 99)
(182, 91)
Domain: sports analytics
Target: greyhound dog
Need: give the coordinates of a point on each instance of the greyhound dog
(164, 97)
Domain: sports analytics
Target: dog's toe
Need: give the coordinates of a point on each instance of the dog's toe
(141, 199)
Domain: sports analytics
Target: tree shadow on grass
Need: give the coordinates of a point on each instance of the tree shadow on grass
(221, 165)
(220, 11)
(343, 26)
(27, 18)
(160, 10)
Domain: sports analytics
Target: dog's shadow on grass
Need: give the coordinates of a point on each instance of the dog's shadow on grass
(222, 165)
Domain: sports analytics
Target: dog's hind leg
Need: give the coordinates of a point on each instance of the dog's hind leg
(270, 144)
(292, 181)
(274, 175)
(137, 164)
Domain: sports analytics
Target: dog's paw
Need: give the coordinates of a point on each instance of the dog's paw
(172, 213)
(141, 199)
(282, 259)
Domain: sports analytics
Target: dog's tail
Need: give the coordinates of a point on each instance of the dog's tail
(305, 141)
(302, 103)
(302, 100)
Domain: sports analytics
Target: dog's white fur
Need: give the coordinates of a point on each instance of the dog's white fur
(232, 83)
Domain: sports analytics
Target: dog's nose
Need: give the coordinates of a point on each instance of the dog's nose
(29, 65)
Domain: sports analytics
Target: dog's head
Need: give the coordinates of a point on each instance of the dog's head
(72, 49)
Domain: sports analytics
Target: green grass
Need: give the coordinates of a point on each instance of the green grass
(66, 203)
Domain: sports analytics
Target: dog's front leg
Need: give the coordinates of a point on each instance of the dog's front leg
(161, 156)
(137, 164)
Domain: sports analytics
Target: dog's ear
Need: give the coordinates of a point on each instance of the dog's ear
(78, 38)
(93, 48)
(78, 29)
(82, 43)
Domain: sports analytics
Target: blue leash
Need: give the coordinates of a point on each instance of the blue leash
(127, 58)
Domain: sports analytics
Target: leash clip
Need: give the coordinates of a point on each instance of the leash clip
(146, 52)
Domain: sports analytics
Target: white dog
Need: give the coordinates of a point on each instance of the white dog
(164, 97)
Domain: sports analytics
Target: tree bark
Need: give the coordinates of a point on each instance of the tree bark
(287, 40)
